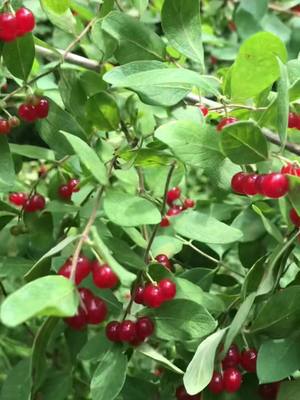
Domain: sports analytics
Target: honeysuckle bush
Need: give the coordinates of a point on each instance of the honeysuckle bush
(122, 126)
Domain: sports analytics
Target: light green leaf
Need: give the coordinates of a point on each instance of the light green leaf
(270, 227)
(150, 352)
(58, 6)
(282, 102)
(36, 152)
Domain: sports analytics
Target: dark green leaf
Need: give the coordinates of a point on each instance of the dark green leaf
(19, 55)
(103, 112)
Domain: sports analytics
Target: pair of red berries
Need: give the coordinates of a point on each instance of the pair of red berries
(173, 195)
(16, 25)
(92, 310)
(6, 125)
(132, 332)
(165, 261)
(153, 296)
(182, 394)
(34, 203)
(37, 109)
(247, 358)
(224, 122)
(65, 191)
(294, 120)
(103, 276)
(273, 185)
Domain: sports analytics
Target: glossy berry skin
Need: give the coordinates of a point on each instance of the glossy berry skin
(295, 218)
(127, 331)
(25, 21)
(275, 185)
(269, 391)
(188, 203)
(224, 122)
(64, 192)
(82, 269)
(173, 195)
(18, 199)
(112, 331)
(173, 211)
(153, 296)
(203, 109)
(27, 112)
(73, 185)
(165, 261)
(42, 109)
(232, 380)
(248, 360)
(294, 120)
(96, 310)
(164, 222)
(232, 358)
(291, 169)
(103, 276)
(35, 203)
(8, 27)
(237, 182)
(182, 394)
(138, 295)
(85, 295)
(4, 127)
(216, 383)
(168, 289)
(79, 321)
(144, 328)
(249, 185)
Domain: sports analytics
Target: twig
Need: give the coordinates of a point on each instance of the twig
(79, 37)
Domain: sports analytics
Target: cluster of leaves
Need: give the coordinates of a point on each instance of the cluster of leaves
(124, 80)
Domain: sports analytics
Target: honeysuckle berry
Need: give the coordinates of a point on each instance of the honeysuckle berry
(8, 27)
(138, 295)
(237, 182)
(25, 21)
(175, 210)
(164, 260)
(248, 360)
(173, 195)
(168, 289)
(36, 202)
(188, 203)
(269, 391)
(42, 109)
(294, 120)
(153, 296)
(224, 122)
(82, 269)
(216, 384)
(64, 192)
(96, 310)
(127, 331)
(79, 321)
(18, 198)
(164, 222)
(232, 380)
(112, 331)
(4, 127)
(294, 217)
(27, 112)
(232, 358)
(144, 328)
(103, 276)
(291, 169)
(203, 109)
(249, 185)
(73, 185)
(275, 185)
(182, 394)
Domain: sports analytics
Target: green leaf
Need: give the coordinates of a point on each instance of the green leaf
(103, 112)
(18, 56)
(17, 385)
(280, 314)
(203, 228)
(244, 143)
(7, 169)
(88, 157)
(104, 42)
(94, 349)
(150, 352)
(109, 377)
(47, 296)
(289, 390)
(278, 360)
(35, 152)
(60, 15)
(193, 144)
(200, 370)
(282, 103)
(294, 191)
(58, 6)
(256, 67)
(270, 227)
(140, 5)
(182, 320)
(128, 210)
(182, 25)
(136, 40)
(167, 245)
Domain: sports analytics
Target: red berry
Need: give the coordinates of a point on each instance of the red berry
(168, 289)
(188, 203)
(96, 310)
(232, 26)
(237, 182)
(216, 383)
(27, 112)
(73, 185)
(294, 120)
(203, 109)
(275, 185)
(213, 60)
(248, 360)
(35, 203)
(153, 296)
(164, 222)
(291, 169)
(64, 192)
(18, 199)
(165, 261)
(82, 269)
(127, 331)
(294, 217)
(112, 331)
(103, 276)
(269, 391)
(232, 380)
(4, 127)
(224, 122)
(249, 185)
(182, 394)
(78, 321)
(232, 357)
(260, 184)
(138, 295)
(25, 21)
(85, 295)
(173, 194)
(175, 210)
(42, 109)
(8, 27)
(144, 328)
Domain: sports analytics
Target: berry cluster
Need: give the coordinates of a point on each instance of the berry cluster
(294, 120)
(37, 108)
(153, 296)
(224, 122)
(92, 310)
(132, 332)
(65, 191)
(164, 261)
(204, 110)
(174, 195)
(16, 25)
(273, 185)
(33, 203)
(6, 125)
